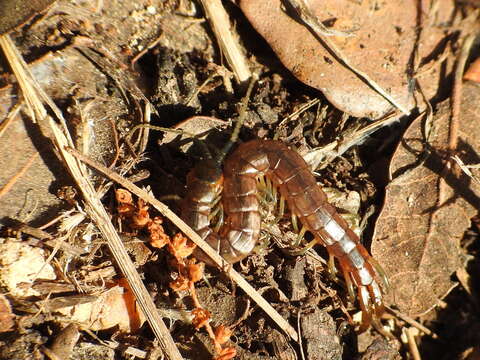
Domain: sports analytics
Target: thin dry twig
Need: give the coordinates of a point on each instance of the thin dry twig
(227, 41)
(454, 119)
(457, 92)
(412, 322)
(165, 211)
(466, 168)
(98, 213)
(412, 344)
(305, 14)
(12, 115)
(297, 112)
(299, 316)
(6, 188)
(325, 154)
(35, 97)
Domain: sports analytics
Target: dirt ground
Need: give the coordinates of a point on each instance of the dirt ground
(386, 163)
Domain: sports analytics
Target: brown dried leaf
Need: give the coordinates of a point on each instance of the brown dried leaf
(383, 38)
(196, 125)
(7, 318)
(473, 72)
(115, 307)
(15, 13)
(428, 208)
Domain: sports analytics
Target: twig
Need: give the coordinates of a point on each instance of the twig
(6, 188)
(144, 51)
(466, 168)
(304, 13)
(220, 23)
(325, 154)
(117, 146)
(300, 110)
(457, 92)
(299, 316)
(164, 210)
(456, 101)
(10, 117)
(412, 322)
(412, 344)
(35, 96)
(97, 212)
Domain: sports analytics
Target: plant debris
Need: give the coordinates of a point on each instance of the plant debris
(106, 106)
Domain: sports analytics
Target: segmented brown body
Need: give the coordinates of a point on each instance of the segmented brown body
(291, 174)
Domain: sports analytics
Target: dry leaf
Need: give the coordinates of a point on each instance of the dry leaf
(6, 316)
(22, 263)
(428, 208)
(115, 307)
(473, 71)
(383, 38)
(15, 13)
(64, 342)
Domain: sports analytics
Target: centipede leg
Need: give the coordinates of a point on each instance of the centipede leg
(219, 211)
(281, 208)
(376, 296)
(270, 187)
(274, 193)
(380, 272)
(295, 223)
(366, 307)
(303, 250)
(348, 283)
(300, 236)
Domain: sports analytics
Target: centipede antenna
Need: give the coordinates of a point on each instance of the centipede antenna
(241, 117)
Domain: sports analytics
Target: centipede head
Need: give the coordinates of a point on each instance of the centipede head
(208, 171)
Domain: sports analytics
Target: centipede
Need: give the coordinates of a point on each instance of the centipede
(289, 172)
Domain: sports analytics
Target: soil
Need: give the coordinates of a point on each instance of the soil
(102, 62)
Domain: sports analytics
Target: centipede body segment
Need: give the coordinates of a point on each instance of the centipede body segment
(291, 174)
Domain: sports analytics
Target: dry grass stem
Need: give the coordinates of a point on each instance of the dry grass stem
(457, 92)
(6, 188)
(412, 322)
(12, 115)
(35, 97)
(412, 344)
(327, 153)
(169, 214)
(226, 38)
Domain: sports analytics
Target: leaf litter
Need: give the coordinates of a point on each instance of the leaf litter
(189, 82)
(428, 207)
